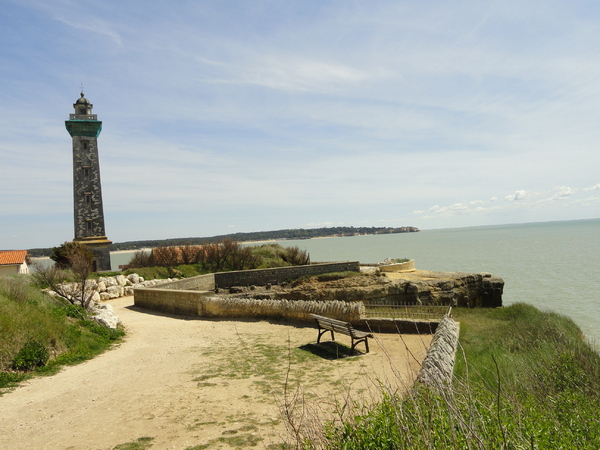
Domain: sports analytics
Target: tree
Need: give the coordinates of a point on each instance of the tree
(61, 254)
(80, 260)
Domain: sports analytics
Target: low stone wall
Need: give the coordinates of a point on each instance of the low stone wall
(205, 304)
(398, 267)
(280, 309)
(199, 283)
(438, 365)
(225, 280)
(187, 296)
(187, 302)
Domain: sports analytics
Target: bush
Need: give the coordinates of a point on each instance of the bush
(191, 260)
(32, 355)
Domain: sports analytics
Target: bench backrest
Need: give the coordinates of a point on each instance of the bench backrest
(333, 324)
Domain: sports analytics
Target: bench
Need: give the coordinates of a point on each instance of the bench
(326, 324)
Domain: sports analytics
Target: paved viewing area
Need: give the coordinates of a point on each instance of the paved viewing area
(184, 381)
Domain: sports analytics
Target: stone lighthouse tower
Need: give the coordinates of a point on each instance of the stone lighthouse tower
(84, 127)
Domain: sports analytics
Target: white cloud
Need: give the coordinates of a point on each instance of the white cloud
(91, 24)
(592, 188)
(517, 195)
(520, 200)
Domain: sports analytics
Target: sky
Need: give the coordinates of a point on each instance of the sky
(236, 116)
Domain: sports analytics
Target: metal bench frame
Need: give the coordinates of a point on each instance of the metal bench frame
(332, 325)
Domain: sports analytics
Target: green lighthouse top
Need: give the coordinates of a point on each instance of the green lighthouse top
(83, 122)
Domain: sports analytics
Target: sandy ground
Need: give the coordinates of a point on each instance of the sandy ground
(185, 382)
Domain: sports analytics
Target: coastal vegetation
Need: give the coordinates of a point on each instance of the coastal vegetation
(299, 233)
(190, 260)
(523, 379)
(39, 333)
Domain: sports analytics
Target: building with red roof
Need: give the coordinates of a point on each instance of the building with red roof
(13, 262)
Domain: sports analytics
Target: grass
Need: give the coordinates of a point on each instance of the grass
(523, 379)
(266, 364)
(142, 443)
(323, 278)
(28, 316)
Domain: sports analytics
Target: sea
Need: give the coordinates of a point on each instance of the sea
(554, 266)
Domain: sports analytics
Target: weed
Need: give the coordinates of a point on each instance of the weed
(32, 355)
(140, 444)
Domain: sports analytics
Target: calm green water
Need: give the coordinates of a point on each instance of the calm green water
(554, 266)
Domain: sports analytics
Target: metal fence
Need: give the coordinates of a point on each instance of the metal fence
(415, 312)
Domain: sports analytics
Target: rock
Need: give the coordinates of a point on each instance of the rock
(103, 313)
(120, 279)
(419, 287)
(101, 286)
(111, 281)
(115, 291)
(134, 278)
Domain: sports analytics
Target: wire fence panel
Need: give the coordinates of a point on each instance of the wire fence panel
(416, 312)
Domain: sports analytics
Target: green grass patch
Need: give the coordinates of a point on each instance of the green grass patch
(323, 278)
(142, 443)
(39, 334)
(523, 379)
(271, 366)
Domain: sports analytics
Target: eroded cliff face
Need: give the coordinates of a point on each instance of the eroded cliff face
(420, 287)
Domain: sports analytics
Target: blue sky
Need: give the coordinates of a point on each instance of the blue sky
(231, 116)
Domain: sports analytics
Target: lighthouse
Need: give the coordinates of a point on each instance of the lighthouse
(84, 128)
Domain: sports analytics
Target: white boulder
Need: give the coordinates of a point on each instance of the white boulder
(104, 314)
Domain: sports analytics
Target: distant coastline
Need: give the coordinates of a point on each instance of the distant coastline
(250, 237)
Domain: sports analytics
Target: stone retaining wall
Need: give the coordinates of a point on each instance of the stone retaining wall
(261, 277)
(171, 301)
(199, 283)
(438, 366)
(280, 309)
(205, 304)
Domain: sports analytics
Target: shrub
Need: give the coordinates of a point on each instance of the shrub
(32, 355)
(63, 254)
(216, 257)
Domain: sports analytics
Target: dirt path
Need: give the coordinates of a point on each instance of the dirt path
(186, 382)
